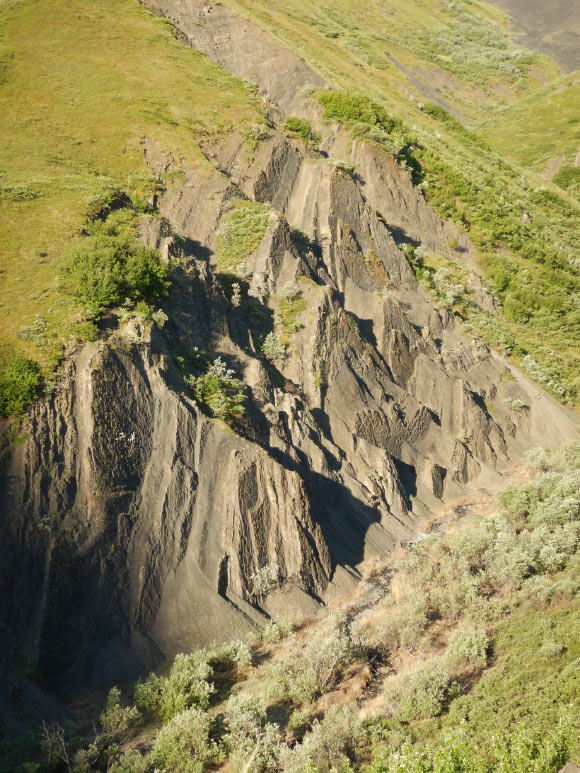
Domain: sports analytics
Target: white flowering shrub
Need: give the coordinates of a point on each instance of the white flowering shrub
(272, 349)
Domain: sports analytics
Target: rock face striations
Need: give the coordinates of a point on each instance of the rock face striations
(133, 526)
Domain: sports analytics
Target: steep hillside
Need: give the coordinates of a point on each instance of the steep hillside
(303, 296)
(457, 655)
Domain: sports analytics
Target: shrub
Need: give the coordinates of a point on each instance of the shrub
(290, 305)
(220, 392)
(99, 205)
(303, 675)
(105, 270)
(249, 737)
(302, 128)
(118, 720)
(240, 233)
(405, 624)
(130, 761)
(356, 108)
(422, 693)
(272, 349)
(187, 685)
(36, 332)
(264, 580)
(467, 650)
(518, 751)
(233, 654)
(19, 382)
(551, 649)
(276, 630)
(330, 746)
(183, 744)
(290, 292)
(567, 177)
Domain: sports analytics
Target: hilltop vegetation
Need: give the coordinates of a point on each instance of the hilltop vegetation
(462, 47)
(77, 97)
(477, 637)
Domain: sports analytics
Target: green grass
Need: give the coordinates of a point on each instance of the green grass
(526, 685)
(351, 43)
(19, 382)
(240, 233)
(291, 304)
(78, 92)
(540, 127)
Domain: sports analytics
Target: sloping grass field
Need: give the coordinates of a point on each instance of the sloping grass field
(81, 83)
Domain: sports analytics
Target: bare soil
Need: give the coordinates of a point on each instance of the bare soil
(548, 26)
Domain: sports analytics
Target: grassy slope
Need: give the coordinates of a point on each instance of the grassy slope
(539, 127)
(78, 91)
(350, 42)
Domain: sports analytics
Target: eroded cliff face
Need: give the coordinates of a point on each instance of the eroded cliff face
(132, 523)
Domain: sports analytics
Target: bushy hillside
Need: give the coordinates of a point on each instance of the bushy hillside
(463, 656)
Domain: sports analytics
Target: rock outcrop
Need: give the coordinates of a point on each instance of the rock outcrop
(133, 526)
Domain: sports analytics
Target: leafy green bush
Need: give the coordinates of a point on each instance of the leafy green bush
(183, 745)
(302, 128)
(519, 751)
(105, 270)
(290, 305)
(99, 205)
(233, 654)
(568, 177)
(421, 693)
(348, 108)
(187, 685)
(275, 631)
(369, 120)
(467, 650)
(117, 720)
(405, 623)
(250, 741)
(190, 679)
(303, 675)
(220, 392)
(272, 348)
(129, 761)
(19, 382)
(330, 746)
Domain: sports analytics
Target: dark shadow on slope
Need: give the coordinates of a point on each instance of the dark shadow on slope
(365, 328)
(408, 477)
(190, 248)
(400, 236)
(343, 518)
